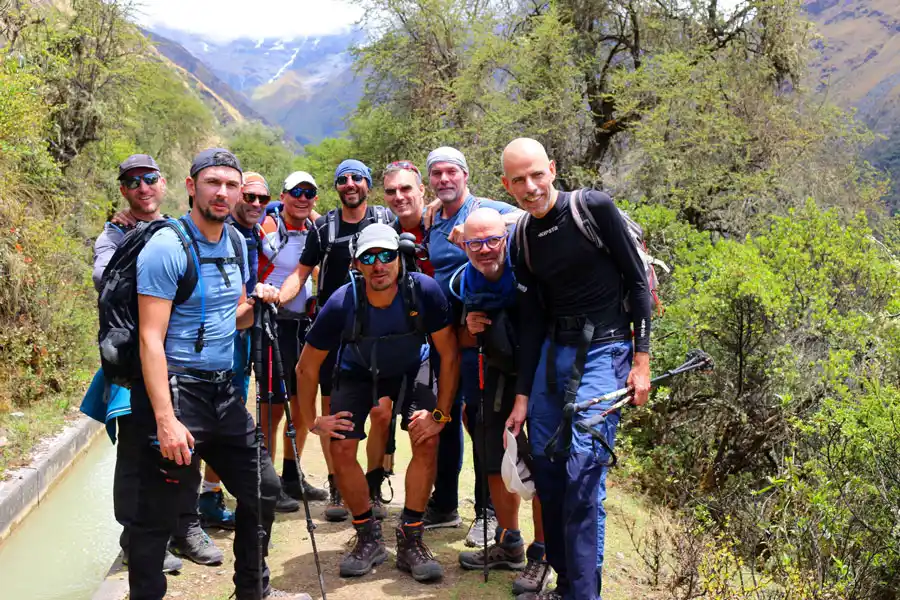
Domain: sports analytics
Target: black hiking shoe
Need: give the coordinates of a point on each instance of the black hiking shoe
(285, 504)
(368, 550)
(313, 494)
(335, 511)
(414, 557)
(498, 557)
(435, 518)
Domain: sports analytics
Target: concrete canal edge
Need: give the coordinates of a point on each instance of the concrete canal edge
(25, 488)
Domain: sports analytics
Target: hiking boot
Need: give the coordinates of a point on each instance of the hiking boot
(285, 504)
(534, 578)
(213, 512)
(414, 557)
(475, 537)
(368, 550)
(435, 518)
(271, 593)
(498, 557)
(313, 494)
(335, 511)
(548, 595)
(379, 510)
(197, 547)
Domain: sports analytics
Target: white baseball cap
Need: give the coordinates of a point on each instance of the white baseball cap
(298, 177)
(514, 471)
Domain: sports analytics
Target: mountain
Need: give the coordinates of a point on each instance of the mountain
(305, 85)
(858, 64)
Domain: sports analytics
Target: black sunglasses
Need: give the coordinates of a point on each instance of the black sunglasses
(134, 182)
(383, 256)
(251, 198)
(298, 192)
(342, 180)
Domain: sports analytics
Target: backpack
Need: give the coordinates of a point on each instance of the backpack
(283, 237)
(377, 214)
(118, 338)
(588, 227)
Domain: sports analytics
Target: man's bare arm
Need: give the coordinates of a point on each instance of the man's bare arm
(294, 283)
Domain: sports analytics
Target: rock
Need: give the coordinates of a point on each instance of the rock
(620, 556)
(17, 415)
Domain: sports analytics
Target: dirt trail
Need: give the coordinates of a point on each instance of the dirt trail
(293, 569)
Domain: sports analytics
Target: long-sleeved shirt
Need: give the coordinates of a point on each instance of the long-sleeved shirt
(571, 277)
(104, 248)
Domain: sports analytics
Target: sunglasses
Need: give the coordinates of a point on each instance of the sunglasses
(403, 164)
(134, 182)
(251, 198)
(299, 192)
(343, 179)
(493, 242)
(383, 256)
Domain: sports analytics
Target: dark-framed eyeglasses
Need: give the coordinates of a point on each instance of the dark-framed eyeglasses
(134, 182)
(343, 179)
(261, 198)
(493, 242)
(405, 165)
(299, 192)
(383, 256)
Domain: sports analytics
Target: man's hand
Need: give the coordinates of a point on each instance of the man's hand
(332, 425)
(517, 416)
(265, 292)
(456, 236)
(476, 321)
(430, 210)
(422, 426)
(639, 378)
(175, 441)
(124, 218)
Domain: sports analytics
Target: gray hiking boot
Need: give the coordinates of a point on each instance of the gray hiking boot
(273, 593)
(534, 578)
(197, 547)
(335, 511)
(499, 556)
(548, 595)
(475, 537)
(379, 510)
(414, 557)
(367, 552)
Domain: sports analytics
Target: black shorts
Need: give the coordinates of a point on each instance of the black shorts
(291, 336)
(355, 395)
(499, 398)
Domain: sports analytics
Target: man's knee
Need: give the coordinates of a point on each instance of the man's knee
(427, 448)
(343, 452)
(380, 417)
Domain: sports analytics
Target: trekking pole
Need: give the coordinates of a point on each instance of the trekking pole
(483, 458)
(256, 342)
(272, 333)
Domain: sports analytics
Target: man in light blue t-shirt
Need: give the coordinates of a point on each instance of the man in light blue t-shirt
(448, 176)
(187, 407)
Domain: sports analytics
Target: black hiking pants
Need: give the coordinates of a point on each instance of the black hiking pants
(224, 436)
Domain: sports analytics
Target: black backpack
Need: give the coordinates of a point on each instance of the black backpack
(118, 338)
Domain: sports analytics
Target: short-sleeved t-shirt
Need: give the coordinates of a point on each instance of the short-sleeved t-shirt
(162, 263)
(397, 357)
(446, 257)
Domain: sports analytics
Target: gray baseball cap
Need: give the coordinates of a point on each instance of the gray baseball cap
(376, 235)
(215, 157)
(137, 161)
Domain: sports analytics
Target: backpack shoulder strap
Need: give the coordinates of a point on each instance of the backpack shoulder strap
(583, 218)
(522, 239)
(382, 215)
(237, 242)
(412, 299)
(188, 280)
(331, 228)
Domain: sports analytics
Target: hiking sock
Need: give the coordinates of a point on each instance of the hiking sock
(374, 478)
(289, 469)
(363, 517)
(211, 486)
(508, 537)
(536, 551)
(410, 516)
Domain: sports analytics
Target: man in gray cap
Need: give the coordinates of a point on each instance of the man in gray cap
(448, 176)
(377, 325)
(186, 408)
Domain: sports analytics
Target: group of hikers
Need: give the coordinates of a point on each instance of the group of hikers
(464, 312)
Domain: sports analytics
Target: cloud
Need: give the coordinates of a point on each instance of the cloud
(225, 20)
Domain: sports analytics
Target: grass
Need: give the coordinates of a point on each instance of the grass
(23, 433)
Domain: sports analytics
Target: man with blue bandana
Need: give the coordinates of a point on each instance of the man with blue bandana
(575, 344)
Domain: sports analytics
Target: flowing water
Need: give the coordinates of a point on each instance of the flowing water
(64, 548)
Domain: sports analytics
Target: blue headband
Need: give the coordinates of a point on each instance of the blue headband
(353, 166)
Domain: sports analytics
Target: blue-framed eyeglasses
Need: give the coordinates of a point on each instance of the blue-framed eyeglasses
(383, 256)
(493, 242)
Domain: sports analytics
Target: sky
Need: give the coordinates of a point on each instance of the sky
(231, 19)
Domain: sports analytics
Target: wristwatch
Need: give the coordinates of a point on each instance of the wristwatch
(440, 417)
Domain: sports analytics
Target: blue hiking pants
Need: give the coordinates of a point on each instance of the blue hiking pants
(572, 485)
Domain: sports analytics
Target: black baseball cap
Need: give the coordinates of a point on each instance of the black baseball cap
(215, 157)
(137, 161)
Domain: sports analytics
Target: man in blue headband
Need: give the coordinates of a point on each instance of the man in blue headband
(328, 247)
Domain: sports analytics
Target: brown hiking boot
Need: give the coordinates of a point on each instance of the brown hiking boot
(414, 557)
(498, 557)
(368, 550)
(534, 578)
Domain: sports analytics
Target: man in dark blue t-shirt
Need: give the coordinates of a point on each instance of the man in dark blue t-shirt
(378, 324)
